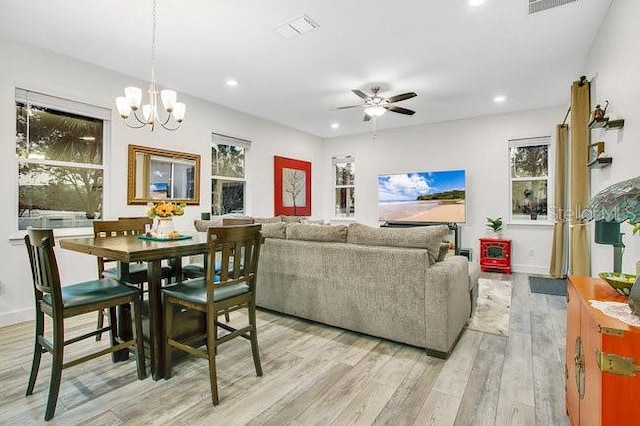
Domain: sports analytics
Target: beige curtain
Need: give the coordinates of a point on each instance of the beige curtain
(557, 268)
(579, 263)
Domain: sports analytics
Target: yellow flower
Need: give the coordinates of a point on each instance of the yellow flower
(165, 209)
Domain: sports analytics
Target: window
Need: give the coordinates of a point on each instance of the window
(345, 174)
(228, 179)
(59, 146)
(530, 183)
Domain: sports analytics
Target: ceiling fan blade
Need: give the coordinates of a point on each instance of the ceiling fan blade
(366, 117)
(347, 107)
(360, 93)
(400, 110)
(402, 97)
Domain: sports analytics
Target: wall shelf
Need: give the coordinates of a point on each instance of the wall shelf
(605, 123)
(600, 162)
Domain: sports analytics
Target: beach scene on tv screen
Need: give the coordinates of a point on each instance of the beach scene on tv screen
(422, 196)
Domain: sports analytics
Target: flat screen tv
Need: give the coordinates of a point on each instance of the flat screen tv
(433, 196)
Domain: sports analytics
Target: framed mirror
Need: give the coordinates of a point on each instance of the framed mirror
(159, 174)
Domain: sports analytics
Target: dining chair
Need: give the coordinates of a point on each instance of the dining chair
(229, 289)
(61, 303)
(134, 274)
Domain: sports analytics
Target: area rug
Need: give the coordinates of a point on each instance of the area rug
(544, 285)
(493, 309)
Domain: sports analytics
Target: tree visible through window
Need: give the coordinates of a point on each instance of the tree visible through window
(345, 174)
(529, 164)
(60, 162)
(228, 174)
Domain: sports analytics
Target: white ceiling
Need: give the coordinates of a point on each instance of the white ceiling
(455, 57)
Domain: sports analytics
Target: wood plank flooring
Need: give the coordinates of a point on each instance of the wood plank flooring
(315, 375)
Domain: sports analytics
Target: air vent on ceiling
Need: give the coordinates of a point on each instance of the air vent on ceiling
(296, 27)
(540, 5)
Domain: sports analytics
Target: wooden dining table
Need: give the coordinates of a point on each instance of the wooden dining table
(126, 249)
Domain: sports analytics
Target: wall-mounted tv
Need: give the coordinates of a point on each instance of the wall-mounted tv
(433, 196)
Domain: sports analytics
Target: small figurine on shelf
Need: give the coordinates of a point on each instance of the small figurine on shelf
(599, 113)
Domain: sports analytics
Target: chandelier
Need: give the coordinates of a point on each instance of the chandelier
(129, 104)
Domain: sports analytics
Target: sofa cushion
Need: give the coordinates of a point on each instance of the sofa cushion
(329, 233)
(276, 219)
(424, 237)
(274, 230)
(291, 219)
(204, 225)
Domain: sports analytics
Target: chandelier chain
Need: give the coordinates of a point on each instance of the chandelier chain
(153, 44)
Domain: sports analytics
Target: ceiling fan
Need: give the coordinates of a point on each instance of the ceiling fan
(375, 105)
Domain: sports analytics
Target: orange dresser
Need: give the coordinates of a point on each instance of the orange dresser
(602, 359)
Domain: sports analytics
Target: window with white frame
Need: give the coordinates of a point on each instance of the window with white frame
(228, 178)
(530, 178)
(60, 150)
(345, 173)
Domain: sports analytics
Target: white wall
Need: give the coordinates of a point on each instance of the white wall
(48, 72)
(480, 146)
(614, 60)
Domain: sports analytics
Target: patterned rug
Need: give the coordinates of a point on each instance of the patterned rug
(494, 306)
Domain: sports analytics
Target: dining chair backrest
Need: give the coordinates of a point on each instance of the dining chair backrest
(44, 268)
(113, 228)
(237, 248)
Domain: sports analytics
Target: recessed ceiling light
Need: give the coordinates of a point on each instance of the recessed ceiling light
(476, 2)
(232, 82)
(499, 99)
(334, 125)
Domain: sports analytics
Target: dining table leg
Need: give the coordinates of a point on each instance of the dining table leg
(156, 326)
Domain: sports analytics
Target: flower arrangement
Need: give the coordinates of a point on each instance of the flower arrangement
(165, 209)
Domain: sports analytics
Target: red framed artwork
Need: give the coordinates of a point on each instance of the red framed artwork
(292, 187)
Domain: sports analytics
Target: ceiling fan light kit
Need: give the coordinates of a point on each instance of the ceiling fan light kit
(376, 106)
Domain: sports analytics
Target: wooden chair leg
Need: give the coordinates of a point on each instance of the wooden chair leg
(212, 349)
(56, 368)
(137, 327)
(254, 340)
(168, 322)
(100, 324)
(226, 316)
(37, 352)
(113, 332)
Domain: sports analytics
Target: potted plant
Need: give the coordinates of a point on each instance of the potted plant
(495, 226)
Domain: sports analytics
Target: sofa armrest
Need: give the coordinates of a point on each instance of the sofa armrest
(447, 291)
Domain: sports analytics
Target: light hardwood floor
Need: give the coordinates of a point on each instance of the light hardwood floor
(315, 374)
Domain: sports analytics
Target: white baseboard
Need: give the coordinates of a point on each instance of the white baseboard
(16, 317)
(530, 269)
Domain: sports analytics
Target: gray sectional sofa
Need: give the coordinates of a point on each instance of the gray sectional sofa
(385, 282)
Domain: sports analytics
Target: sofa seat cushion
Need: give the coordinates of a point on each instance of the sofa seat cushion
(325, 233)
(423, 237)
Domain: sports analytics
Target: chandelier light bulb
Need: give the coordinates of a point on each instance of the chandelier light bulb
(178, 111)
(124, 107)
(134, 95)
(169, 98)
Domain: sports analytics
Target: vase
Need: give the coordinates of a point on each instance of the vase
(163, 227)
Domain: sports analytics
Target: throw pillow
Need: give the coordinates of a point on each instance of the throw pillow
(291, 219)
(204, 225)
(273, 230)
(330, 233)
(424, 237)
(442, 254)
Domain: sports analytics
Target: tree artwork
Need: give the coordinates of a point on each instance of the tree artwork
(293, 187)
